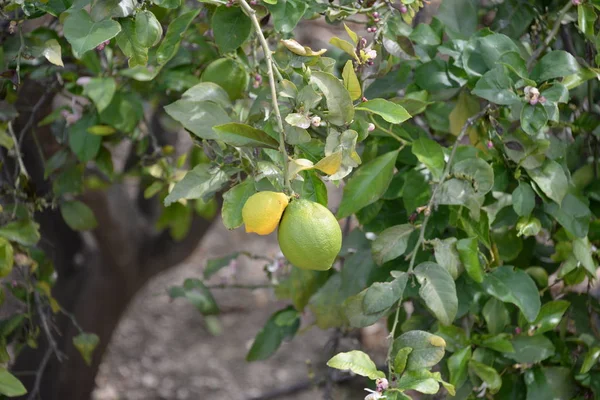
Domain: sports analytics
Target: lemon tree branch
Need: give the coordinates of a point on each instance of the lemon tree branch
(270, 71)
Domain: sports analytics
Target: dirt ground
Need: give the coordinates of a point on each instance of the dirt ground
(163, 350)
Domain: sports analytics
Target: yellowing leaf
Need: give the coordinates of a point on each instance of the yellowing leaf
(101, 130)
(466, 107)
(297, 48)
(300, 164)
(344, 45)
(437, 341)
(330, 164)
(53, 53)
(351, 82)
(352, 34)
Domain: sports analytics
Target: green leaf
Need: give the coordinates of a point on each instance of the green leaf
(466, 107)
(101, 130)
(391, 243)
(6, 259)
(447, 256)
(533, 118)
(53, 52)
(84, 34)
(354, 311)
(25, 232)
(555, 64)
(573, 214)
(514, 286)
(487, 374)
(415, 191)
(468, 251)
(554, 383)
(101, 91)
(199, 117)
(391, 112)
(550, 316)
(301, 285)
(496, 316)
(422, 381)
(281, 326)
(239, 135)
(233, 202)
(147, 29)
(128, 42)
(313, 188)
(458, 366)
(228, 74)
(438, 291)
(231, 28)
(382, 295)
(499, 343)
(78, 216)
(591, 358)
(84, 144)
(357, 362)
(207, 91)
(196, 293)
(177, 28)
(551, 179)
(85, 343)
(167, 3)
(339, 102)
(523, 199)
(431, 154)
(286, 13)
(345, 46)
(459, 17)
(367, 184)
(426, 350)
(199, 183)
(9, 385)
(496, 87)
(531, 349)
(586, 18)
(351, 82)
(476, 170)
(582, 249)
(401, 360)
(124, 112)
(216, 264)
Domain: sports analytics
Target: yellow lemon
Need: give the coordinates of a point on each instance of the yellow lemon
(262, 211)
(309, 235)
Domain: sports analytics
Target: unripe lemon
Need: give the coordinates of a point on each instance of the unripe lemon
(262, 211)
(309, 235)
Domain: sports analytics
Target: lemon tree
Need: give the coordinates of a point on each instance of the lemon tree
(464, 141)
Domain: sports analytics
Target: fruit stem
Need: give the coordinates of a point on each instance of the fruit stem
(270, 64)
(551, 36)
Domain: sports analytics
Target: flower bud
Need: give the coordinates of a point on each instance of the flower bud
(371, 127)
(316, 121)
(382, 384)
(403, 9)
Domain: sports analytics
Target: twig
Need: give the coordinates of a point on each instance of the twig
(365, 10)
(20, 52)
(49, 337)
(551, 36)
(239, 286)
(11, 131)
(388, 131)
(39, 374)
(270, 64)
(429, 210)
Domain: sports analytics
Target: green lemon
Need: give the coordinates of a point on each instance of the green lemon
(309, 235)
(229, 74)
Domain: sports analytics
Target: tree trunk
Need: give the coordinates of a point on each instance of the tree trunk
(98, 272)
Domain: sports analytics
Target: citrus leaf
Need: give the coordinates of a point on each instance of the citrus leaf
(357, 362)
(391, 112)
(101, 91)
(514, 286)
(431, 154)
(438, 291)
(84, 34)
(85, 343)
(551, 179)
(424, 354)
(233, 202)
(78, 215)
(199, 183)
(367, 184)
(351, 81)
(25, 232)
(231, 28)
(391, 243)
(239, 135)
(199, 117)
(469, 256)
(339, 102)
(9, 385)
(487, 374)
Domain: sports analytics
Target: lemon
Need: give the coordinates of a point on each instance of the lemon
(263, 210)
(309, 235)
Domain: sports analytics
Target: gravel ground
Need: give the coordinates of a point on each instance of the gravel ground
(162, 349)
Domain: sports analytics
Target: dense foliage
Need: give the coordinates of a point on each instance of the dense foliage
(467, 149)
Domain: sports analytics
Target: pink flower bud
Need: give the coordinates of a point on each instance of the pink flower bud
(542, 99)
(382, 384)
(363, 99)
(517, 330)
(533, 101)
(403, 9)
(490, 145)
(371, 127)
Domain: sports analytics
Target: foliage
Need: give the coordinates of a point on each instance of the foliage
(467, 149)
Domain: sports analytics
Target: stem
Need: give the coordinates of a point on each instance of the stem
(429, 209)
(270, 64)
(11, 131)
(21, 48)
(391, 346)
(239, 286)
(358, 10)
(551, 36)
(389, 132)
